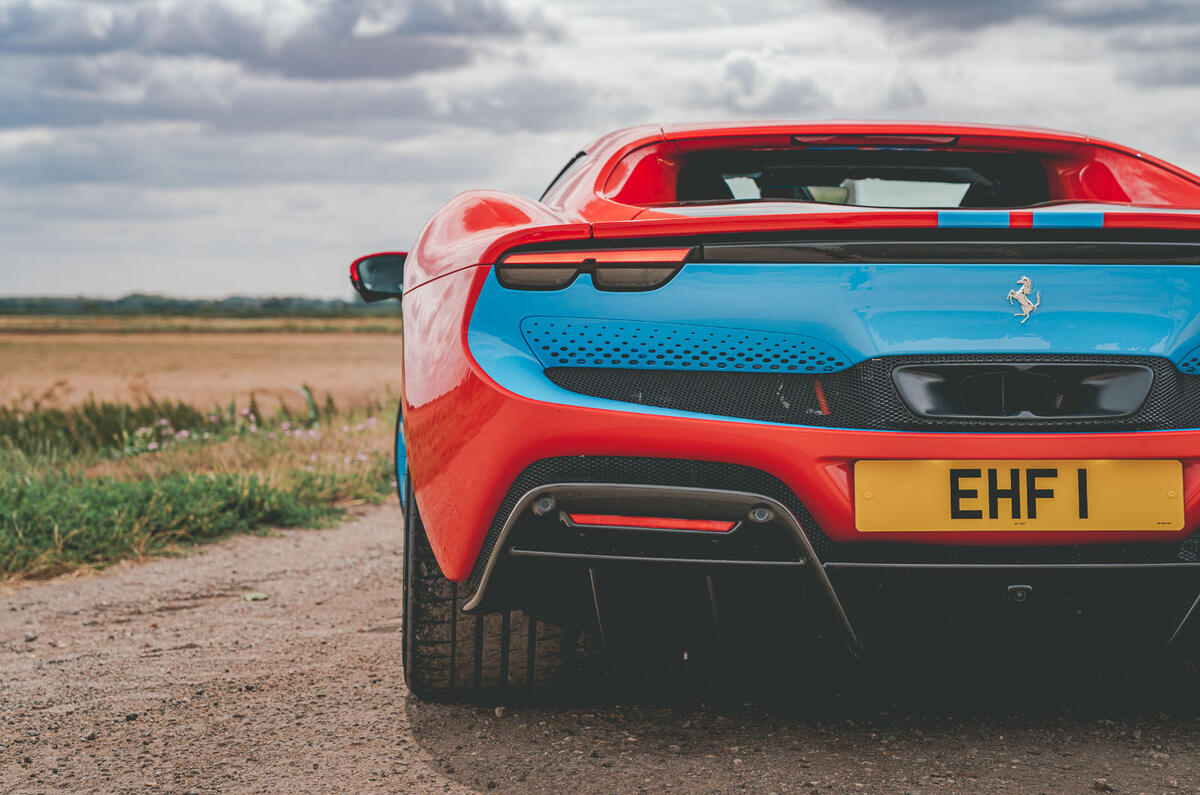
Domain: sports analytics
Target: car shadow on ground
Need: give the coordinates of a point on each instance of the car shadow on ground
(924, 720)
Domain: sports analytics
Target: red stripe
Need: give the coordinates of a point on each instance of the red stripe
(1021, 219)
(650, 522)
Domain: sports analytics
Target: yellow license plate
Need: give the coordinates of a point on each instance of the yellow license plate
(940, 496)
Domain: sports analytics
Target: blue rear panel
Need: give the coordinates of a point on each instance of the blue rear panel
(853, 311)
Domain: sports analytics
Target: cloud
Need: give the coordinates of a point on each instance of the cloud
(956, 14)
(972, 15)
(764, 83)
(187, 156)
(347, 39)
(282, 136)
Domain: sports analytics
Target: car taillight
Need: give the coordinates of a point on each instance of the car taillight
(633, 269)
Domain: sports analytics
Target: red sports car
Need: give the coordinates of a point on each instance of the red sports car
(740, 386)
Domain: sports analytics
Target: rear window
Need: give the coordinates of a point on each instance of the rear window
(865, 177)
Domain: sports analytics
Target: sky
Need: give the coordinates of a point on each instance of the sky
(254, 147)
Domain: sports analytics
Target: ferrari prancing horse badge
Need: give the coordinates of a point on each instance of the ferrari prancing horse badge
(1021, 296)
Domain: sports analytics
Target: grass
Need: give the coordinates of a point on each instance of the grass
(103, 482)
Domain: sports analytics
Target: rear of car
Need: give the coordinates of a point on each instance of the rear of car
(762, 385)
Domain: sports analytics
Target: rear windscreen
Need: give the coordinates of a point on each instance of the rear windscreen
(865, 177)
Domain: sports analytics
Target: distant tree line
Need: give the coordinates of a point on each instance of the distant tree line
(237, 306)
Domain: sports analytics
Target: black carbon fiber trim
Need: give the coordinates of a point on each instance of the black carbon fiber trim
(865, 395)
(715, 475)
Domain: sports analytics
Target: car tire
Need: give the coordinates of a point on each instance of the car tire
(449, 654)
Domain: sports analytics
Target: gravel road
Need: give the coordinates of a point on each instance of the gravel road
(164, 677)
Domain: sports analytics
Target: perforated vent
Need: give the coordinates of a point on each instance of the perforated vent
(581, 342)
(1191, 363)
(865, 395)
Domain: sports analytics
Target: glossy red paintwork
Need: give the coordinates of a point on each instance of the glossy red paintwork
(607, 188)
(468, 439)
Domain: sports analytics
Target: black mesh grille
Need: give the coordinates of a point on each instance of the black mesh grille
(714, 475)
(865, 396)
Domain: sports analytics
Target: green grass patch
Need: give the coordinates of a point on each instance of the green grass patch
(101, 482)
(57, 523)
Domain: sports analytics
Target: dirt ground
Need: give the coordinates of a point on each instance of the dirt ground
(164, 677)
(204, 369)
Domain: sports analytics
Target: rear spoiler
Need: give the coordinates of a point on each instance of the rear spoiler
(1062, 217)
(960, 236)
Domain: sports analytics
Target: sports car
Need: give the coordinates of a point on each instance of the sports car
(769, 386)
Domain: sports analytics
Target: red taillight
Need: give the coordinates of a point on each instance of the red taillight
(649, 522)
(626, 269)
(562, 258)
(820, 392)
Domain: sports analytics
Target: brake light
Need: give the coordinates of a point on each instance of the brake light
(612, 270)
(841, 139)
(649, 522)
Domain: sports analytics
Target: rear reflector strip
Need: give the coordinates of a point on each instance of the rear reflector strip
(650, 522)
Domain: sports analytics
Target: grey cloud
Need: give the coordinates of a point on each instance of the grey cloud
(81, 94)
(752, 83)
(535, 103)
(903, 94)
(425, 35)
(966, 15)
(947, 13)
(112, 203)
(181, 158)
(1149, 43)
(1158, 56)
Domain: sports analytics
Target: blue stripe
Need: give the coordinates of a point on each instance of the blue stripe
(401, 461)
(974, 219)
(1049, 219)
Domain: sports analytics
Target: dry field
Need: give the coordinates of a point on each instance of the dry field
(202, 368)
(138, 324)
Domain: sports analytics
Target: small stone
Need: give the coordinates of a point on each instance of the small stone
(674, 749)
(1159, 755)
(492, 785)
(131, 716)
(256, 596)
(1102, 785)
(90, 735)
(501, 712)
(30, 637)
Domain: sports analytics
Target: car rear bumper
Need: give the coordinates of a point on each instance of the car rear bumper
(469, 439)
(537, 555)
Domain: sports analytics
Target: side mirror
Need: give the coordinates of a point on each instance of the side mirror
(379, 276)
